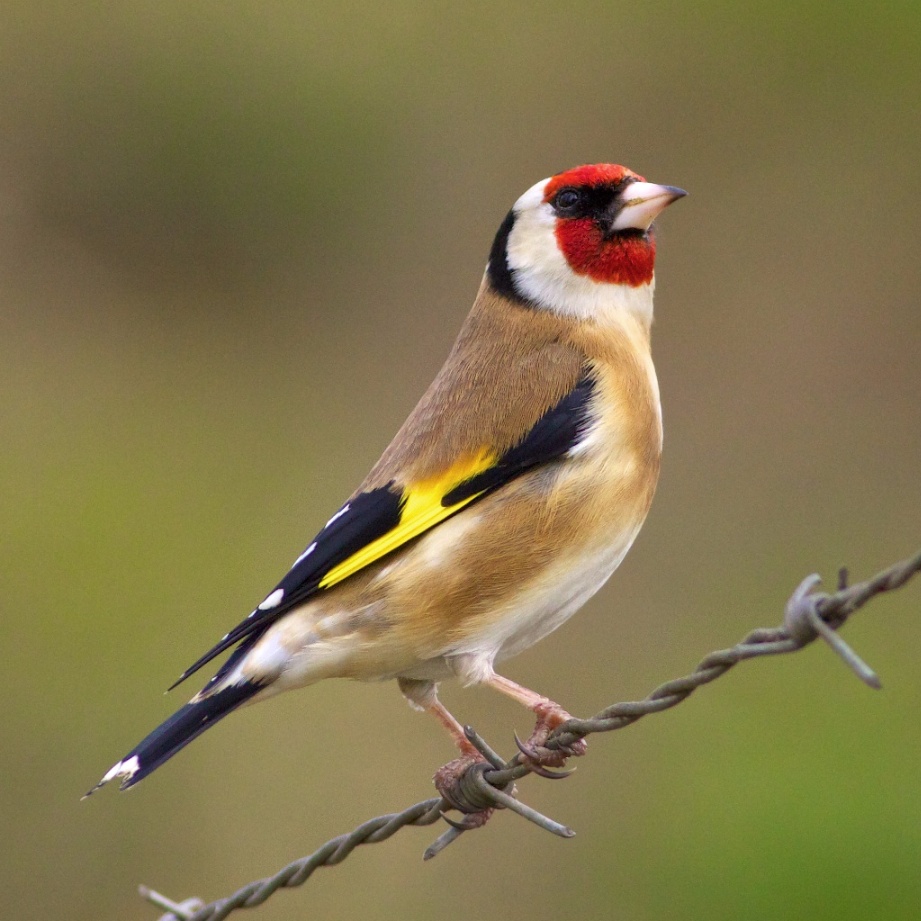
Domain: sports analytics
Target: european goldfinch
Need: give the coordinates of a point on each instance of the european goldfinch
(509, 496)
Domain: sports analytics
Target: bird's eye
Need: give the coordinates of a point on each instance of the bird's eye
(568, 199)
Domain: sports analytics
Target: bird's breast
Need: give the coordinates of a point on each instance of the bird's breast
(507, 571)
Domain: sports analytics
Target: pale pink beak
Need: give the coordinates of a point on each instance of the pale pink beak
(641, 202)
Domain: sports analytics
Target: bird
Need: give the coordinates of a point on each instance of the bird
(506, 500)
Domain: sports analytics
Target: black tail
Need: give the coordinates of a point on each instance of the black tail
(182, 727)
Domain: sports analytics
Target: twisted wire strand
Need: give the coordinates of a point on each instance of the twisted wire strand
(299, 871)
(809, 615)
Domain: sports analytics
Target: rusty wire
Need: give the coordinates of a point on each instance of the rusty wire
(489, 784)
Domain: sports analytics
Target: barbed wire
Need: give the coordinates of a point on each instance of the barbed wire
(489, 784)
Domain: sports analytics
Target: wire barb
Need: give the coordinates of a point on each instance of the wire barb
(181, 910)
(526, 812)
(480, 744)
(803, 622)
(443, 840)
(808, 615)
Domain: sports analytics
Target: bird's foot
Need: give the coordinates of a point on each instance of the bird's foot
(455, 781)
(537, 756)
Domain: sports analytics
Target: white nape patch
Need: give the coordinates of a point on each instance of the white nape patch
(339, 514)
(273, 600)
(123, 769)
(543, 275)
(305, 554)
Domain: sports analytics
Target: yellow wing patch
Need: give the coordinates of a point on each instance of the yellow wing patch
(422, 510)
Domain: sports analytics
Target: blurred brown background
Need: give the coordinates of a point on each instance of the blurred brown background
(236, 242)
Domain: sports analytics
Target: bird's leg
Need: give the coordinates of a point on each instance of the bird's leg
(422, 695)
(549, 715)
(455, 730)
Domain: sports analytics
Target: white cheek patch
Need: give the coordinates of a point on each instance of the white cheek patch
(542, 274)
(532, 249)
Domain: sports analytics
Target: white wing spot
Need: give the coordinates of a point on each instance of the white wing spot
(305, 554)
(123, 769)
(273, 600)
(339, 514)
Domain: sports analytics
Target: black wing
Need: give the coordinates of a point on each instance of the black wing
(372, 515)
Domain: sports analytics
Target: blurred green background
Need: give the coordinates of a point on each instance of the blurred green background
(236, 242)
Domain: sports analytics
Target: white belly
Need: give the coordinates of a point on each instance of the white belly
(545, 605)
(551, 605)
(557, 595)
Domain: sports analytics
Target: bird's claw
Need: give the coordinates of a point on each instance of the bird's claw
(537, 755)
(470, 821)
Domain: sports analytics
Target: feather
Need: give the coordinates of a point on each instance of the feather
(374, 524)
